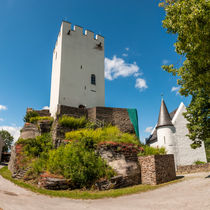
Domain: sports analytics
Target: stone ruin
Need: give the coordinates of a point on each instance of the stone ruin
(123, 158)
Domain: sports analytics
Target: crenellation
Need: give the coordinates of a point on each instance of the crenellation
(89, 34)
(69, 27)
(99, 38)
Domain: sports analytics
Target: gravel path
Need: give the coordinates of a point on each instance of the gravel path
(193, 193)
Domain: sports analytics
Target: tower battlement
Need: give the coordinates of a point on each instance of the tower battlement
(69, 27)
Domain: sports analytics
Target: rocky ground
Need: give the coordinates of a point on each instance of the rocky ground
(193, 193)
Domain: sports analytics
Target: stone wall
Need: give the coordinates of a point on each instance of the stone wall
(157, 169)
(71, 111)
(123, 159)
(115, 116)
(29, 130)
(193, 168)
(16, 166)
(42, 113)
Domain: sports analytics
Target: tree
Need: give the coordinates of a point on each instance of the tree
(8, 140)
(190, 21)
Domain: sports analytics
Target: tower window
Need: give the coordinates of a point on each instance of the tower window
(93, 79)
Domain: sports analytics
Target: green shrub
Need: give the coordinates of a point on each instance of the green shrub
(34, 147)
(29, 115)
(198, 162)
(78, 162)
(152, 151)
(110, 133)
(37, 166)
(72, 122)
(39, 118)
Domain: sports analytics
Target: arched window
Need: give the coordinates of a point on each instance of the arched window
(93, 79)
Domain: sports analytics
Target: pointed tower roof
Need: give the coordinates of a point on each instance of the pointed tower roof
(164, 118)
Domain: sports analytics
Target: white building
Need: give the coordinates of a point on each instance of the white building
(77, 69)
(170, 132)
(1, 146)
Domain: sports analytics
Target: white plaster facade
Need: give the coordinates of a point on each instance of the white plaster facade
(76, 57)
(1, 146)
(174, 139)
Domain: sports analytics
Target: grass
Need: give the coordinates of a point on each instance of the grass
(86, 194)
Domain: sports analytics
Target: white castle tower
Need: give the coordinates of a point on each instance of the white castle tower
(77, 69)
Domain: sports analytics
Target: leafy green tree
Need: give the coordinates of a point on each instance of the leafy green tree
(190, 21)
(8, 140)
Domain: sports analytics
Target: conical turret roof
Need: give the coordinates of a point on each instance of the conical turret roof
(164, 118)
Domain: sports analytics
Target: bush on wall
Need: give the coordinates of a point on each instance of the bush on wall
(39, 118)
(110, 133)
(29, 115)
(152, 151)
(71, 122)
(78, 162)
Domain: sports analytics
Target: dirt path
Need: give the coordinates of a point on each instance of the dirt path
(190, 194)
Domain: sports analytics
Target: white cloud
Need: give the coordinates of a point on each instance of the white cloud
(165, 61)
(149, 129)
(46, 107)
(2, 107)
(125, 55)
(13, 130)
(141, 84)
(137, 74)
(117, 67)
(1, 119)
(175, 89)
(127, 48)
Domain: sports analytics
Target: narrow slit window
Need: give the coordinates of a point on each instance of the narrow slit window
(93, 79)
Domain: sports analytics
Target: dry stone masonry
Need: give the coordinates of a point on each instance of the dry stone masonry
(157, 169)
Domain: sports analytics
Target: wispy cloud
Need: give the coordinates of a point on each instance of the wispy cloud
(165, 61)
(149, 129)
(127, 49)
(46, 107)
(13, 130)
(141, 84)
(117, 67)
(175, 89)
(2, 107)
(1, 119)
(125, 55)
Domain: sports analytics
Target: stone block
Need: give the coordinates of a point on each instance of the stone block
(157, 169)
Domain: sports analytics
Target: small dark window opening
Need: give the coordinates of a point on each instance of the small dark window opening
(93, 79)
(81, 106)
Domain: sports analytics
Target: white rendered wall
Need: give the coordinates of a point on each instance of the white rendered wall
(78, 56)
(165, 138)
(185, 154)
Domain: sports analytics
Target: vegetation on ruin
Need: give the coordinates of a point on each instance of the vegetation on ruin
(29, 115)
(76, 158)
(71, 122)
(190, 21)
(76, 161)
(109, 133)
(83, 194)
(152, 151)
(198, 162)
(39, 118)
(79, 162)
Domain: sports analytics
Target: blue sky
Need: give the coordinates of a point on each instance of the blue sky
(136, 46)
